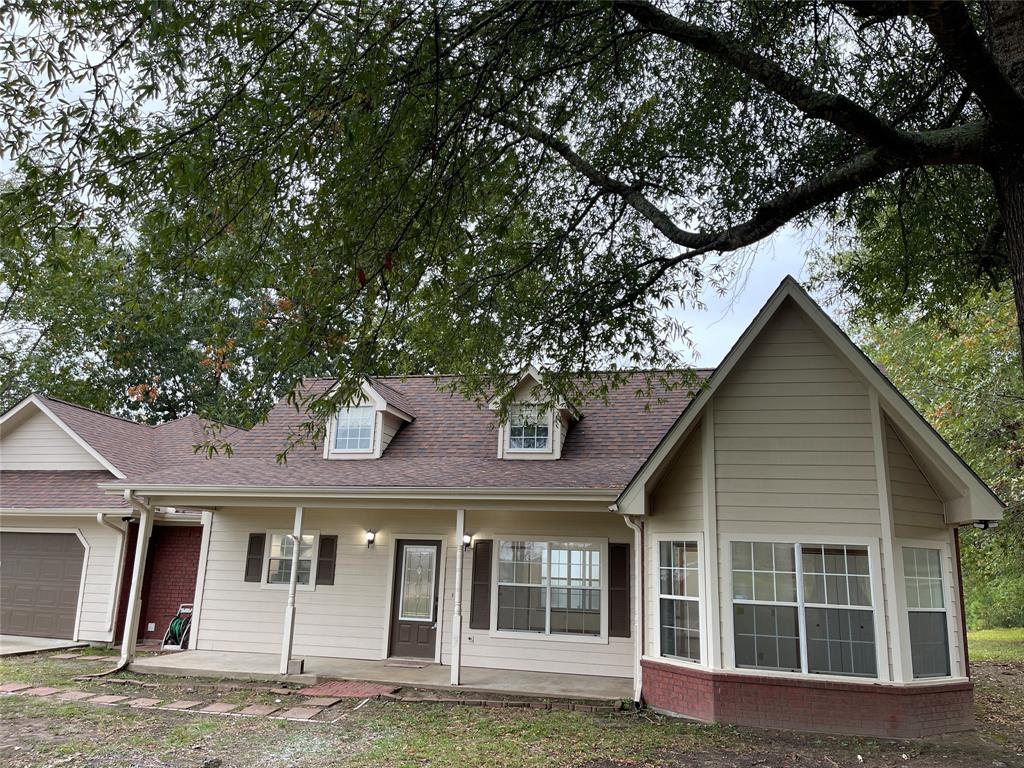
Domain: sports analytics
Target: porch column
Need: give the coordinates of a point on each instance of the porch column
(131, 621)
(460, 531)
(289, 611)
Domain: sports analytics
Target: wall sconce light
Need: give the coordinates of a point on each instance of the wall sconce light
(370, 537)
(467, 540)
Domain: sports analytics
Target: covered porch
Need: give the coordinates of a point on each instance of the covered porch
(265, 666)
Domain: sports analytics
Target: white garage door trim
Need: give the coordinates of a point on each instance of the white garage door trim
(85, 563)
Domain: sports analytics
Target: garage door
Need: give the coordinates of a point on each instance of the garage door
(40, 575)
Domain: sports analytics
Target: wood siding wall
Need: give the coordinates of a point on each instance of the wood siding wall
(350, 618)
(38, 443)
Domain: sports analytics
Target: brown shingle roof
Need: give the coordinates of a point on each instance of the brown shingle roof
(452, 443)
(39, 489)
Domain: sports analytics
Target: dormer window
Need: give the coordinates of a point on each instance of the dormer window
(353, 431)
(364, 429)
(528, 429)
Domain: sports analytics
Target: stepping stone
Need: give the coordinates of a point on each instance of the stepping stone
(219, 708)
(143, 703)
(108, 699)
(260, 710)
(66, 656)
(75, 695)
(42, 691)
(182, 704)
(283, 691)
(321, 701)
(14, 687)
(299, 713)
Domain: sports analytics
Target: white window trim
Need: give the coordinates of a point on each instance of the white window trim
(374, 431)
(601, 639)
(951, 596)
(550, 423)
(311, 587)
(877, 608)
(705, 639)
(435, 587)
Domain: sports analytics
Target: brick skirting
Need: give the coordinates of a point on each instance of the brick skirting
(825, 706)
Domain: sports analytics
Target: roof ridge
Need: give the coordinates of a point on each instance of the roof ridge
(399, 377)
(95, 412)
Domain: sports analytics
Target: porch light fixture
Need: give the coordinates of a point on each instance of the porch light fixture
(370, 536)
(467, 540)
(984, 525)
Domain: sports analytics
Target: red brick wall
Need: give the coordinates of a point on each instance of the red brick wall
(171, 566)
(868, 709)
(170, 578)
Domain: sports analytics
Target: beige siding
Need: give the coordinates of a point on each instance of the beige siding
(101, 567)
(793, 433)
(794, 452)
(917, 509)
(36, 442)
(350, 619)
(677, 509)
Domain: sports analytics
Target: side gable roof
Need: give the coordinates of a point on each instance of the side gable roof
(978, 501)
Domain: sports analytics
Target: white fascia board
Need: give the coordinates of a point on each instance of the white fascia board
(34, 400)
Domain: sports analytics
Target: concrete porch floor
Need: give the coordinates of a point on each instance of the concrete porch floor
(264, 666)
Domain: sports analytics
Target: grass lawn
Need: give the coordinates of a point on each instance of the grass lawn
(996, 644)
(47, 732)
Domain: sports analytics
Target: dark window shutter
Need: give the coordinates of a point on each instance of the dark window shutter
(254, 557)
(325, 560)
(619, 623)
(480, 596)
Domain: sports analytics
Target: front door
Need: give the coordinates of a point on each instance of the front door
(414, 606)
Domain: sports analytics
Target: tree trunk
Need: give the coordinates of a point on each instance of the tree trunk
(1006, 39)
(1010, 192)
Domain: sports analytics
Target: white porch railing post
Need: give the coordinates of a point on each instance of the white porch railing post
(289, 612)
(131, 621)
(460, 532)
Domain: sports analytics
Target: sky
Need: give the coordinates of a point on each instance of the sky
(715, 329)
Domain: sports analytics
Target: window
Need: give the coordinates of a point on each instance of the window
(809, 614)
(549, 587)
(679, 599)
(527, 429)
(840, 640)
(279, 561)
(926, 605)
(353, 429)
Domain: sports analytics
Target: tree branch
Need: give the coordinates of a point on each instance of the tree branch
(954, 33)
(952, 146)
(840, 111)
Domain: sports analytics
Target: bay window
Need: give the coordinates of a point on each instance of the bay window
(549, 587)
(926, 609)
(803, 608)
(679, 599)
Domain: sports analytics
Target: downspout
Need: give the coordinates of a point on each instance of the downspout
(638, 601)
(101, 518)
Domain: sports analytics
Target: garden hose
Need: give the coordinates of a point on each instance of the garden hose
(176, 631)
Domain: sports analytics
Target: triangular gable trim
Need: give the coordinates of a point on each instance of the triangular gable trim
(893, 400)
(531, 371)
(38, 403)
(379, 401)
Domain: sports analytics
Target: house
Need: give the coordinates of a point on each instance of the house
(776, 547)
(67, 548)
